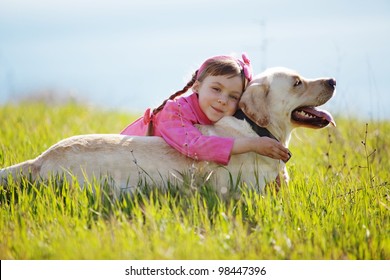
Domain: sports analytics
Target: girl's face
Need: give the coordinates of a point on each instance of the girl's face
(218, 95)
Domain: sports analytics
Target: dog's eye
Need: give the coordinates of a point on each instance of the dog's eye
(298, 82)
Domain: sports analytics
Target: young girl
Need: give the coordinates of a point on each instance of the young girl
(217, 87)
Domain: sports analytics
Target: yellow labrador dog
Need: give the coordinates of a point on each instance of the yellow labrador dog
(275, 102)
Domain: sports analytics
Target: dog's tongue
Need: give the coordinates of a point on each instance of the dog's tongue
(312, 117)
(319, 113)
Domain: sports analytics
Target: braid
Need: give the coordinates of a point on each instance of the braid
(173, 96)
(177, 93)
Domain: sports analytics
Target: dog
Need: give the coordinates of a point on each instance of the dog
(274, 103)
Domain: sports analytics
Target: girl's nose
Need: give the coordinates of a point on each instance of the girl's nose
(222, 100)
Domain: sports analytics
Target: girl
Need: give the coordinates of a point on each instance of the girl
(217, 87)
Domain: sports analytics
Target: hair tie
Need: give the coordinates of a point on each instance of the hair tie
(246, 66)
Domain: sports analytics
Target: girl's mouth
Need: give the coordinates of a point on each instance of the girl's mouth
(217, 110)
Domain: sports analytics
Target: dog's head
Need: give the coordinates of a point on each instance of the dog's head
(281, 97)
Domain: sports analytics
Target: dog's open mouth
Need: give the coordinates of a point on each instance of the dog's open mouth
(312, 117)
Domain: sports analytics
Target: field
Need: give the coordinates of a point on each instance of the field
(337, 205)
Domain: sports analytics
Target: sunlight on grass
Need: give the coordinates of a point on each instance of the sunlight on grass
(337, 205)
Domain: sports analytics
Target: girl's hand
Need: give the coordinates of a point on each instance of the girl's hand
(271, 148)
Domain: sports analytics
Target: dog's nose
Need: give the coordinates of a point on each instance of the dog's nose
(331, 82)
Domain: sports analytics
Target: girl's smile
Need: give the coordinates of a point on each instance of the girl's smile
(218, 110)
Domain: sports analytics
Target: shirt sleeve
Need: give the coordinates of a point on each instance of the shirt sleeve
(135, 128)
(176, 125)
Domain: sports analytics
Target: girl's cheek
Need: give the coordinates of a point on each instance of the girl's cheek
(235, 104)
(232, 108)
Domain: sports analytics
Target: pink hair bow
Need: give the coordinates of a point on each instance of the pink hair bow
(246, 66)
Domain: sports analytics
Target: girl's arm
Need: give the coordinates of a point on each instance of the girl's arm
(262, 145)
(176, 124)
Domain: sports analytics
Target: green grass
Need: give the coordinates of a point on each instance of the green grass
(337, 205)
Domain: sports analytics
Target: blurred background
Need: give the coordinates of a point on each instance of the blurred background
(130, 55)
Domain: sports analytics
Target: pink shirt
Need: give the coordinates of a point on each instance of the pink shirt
(175, 123)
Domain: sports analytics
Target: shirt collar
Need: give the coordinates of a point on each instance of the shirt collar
(194, 102)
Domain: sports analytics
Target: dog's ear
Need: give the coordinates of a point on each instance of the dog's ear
(254, 103)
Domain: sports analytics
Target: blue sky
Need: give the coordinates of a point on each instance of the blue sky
(130, 55)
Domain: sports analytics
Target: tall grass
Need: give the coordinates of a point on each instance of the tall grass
(337, 205)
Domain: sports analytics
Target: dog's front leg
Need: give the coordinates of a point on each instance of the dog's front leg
(281, 179)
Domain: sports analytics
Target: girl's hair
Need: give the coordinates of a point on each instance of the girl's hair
(214, 66)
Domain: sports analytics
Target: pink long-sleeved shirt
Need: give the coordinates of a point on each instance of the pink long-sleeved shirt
(175, 124)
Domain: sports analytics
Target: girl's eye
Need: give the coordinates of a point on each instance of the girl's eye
(234, 97)
(298, 82)
(216, 89)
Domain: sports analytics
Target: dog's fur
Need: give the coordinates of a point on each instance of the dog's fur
(271, 100)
